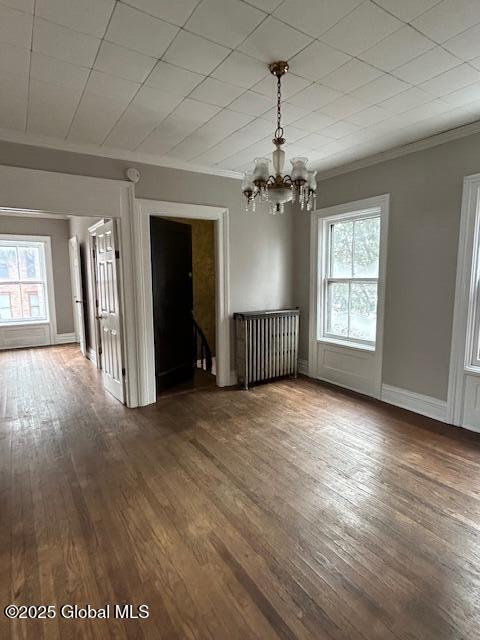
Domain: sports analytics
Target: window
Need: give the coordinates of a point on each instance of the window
(350, 282)
(23, 285)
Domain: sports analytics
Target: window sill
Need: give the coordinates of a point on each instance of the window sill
(24, 323)
(349, 345)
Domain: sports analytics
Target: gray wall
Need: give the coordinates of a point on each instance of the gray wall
(261, 257)
(425, 204)
(58, 230)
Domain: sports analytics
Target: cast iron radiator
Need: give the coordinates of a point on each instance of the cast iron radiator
(266, 345)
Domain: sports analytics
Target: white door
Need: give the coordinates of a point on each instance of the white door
(109, 309)
(77, 292)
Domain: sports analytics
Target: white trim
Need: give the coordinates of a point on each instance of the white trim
(32, 190)
(52, 317)
(372, 356)
(416, 402)
(117, 154)
(462, 318)
(92, 355)
(65, 338)
(397, 151)
(144, 302)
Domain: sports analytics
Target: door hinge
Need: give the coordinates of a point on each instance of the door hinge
(123, 372)
(117, 254)
(100, 351)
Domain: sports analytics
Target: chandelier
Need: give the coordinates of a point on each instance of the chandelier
(278, 189)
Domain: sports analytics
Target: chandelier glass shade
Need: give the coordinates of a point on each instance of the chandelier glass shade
(278, 188)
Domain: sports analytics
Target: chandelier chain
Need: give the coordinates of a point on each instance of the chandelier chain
(279, 131)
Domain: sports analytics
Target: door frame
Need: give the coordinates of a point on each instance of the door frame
(53, 194)
(144, 299)
(468, 264)
(72, 241)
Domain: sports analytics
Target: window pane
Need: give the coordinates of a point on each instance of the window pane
(337, 310)
(363, 311)
(29, 263)
(366, 248)
(8, 263)
(341, 249)
(33, 301)
(10, 302)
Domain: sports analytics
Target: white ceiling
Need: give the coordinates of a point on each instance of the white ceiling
(186, 81)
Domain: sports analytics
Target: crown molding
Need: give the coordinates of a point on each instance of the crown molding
(395, 152)
(18, 137)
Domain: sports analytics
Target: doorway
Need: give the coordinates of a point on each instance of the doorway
(183, 288)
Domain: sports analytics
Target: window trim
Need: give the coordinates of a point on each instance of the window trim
(352, 213)
(50, 297)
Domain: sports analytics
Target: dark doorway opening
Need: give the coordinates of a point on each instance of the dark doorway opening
(180, 250)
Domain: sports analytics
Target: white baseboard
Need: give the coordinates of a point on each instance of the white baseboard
(424, 405)
(64, 338)
(92, 355)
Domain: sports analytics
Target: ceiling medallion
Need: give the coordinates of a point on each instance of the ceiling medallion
(278, 189)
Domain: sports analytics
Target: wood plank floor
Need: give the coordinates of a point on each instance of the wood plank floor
(292, 511)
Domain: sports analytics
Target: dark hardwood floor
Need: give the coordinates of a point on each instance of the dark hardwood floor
(291, 511)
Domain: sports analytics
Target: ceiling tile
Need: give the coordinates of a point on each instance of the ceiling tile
(221, 125)
(251, 103)
(125, 63)
(195, 53)
(15, 27)
(51, 108)
(380, 89)
(20, 5)
(13, 103)
(227, 22)
(291, 84)
(138, 31)
(241, 70)
(315, 121)
(369, 116)
(116, 89)
(361, 29)
(216, 92)
(149, 107)
(397, 49)
(87, 16)
(317, 60)
(14, 59)
(464, 96)
(340, 129)
(233, 143)
(407, 10)
(64, 44)
(176, 12)
(95, 117)
(343, 107)
(426, 66)
(475, 63)
(406, 100)
(315, 95)
(314, 141)
(314, 16)
(352, 75)
(266, 5)
(466, 45)
(189, 115)
(449, 17)
(451, 80)
(274, 40)
(58, 72)
(174, 79)
(132, 128)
